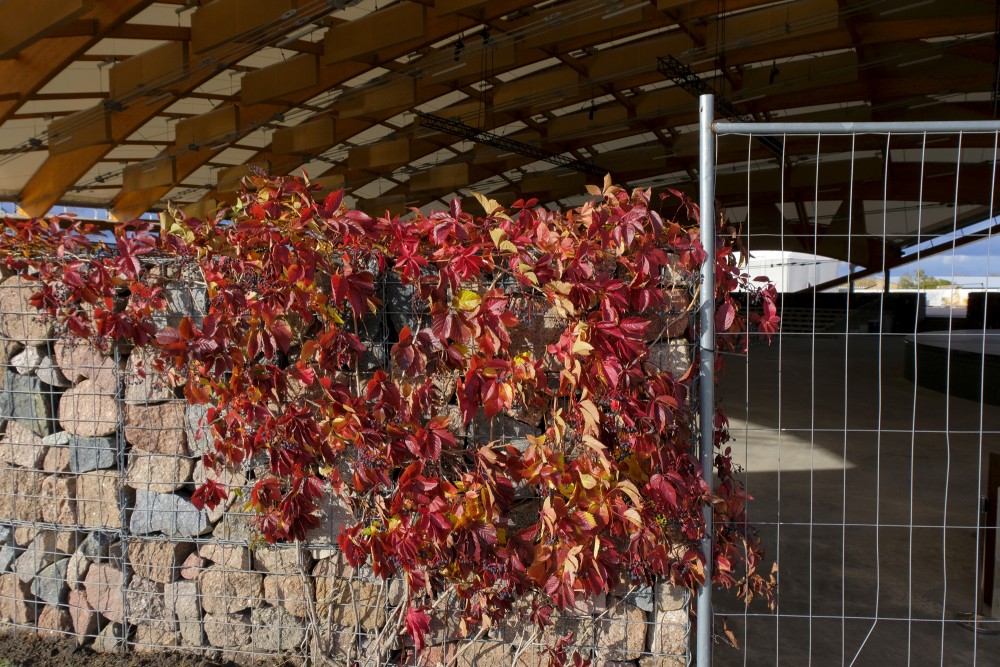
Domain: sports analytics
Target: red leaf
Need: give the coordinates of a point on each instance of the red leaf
(332, 201)
(209, 495)
(282, 334)
(418, 624)
(725, 316)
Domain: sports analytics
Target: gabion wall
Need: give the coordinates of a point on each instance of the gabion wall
(99, 541)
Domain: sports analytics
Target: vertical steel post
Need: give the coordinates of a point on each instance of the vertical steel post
(706, 374)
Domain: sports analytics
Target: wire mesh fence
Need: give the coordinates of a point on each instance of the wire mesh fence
(100, 542)
(866, 430)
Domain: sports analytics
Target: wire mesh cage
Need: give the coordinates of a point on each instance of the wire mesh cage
(101, 542)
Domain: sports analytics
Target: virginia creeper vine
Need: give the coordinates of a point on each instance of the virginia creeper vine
(283, 362)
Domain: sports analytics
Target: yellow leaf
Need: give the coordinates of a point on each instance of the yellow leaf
(582, 348)
(594, 190)
(564, 307)
(630, 490)
(507, 246)
(591, 416)
(594, 443)
(498, 235)
(633, 516)
(561, 287)
(489, 205)
(466, 300)
(588, 481)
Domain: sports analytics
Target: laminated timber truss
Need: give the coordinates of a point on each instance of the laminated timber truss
(132, 104)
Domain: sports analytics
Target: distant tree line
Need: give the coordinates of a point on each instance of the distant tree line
(920, 280)
(917, 280)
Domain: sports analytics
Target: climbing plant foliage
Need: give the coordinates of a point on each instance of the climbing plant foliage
(609, 492)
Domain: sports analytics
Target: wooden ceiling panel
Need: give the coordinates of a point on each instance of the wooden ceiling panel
(221, 21)
(23, 22)
(848, 57)
(393, 25)
(280, 80)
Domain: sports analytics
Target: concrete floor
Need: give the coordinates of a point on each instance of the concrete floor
(867, 496)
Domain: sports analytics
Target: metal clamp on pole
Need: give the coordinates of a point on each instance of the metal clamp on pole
(706, 371)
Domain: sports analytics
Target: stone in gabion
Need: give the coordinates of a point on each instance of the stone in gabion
(8, 554)
(187, 296)
(183, 600)
(621, 634)
(19, 489)
(110, 639)
(157, 473)
(82, 615)
(6, 407)
(145, 607)
(39, 555)
(158, 429)
(166, 513)
(49, 373)
(27, 360)
(97, 453)
(80, 360)
(158, 560)
(275, 559)
(97, 545)
(642, 598)
(76, 570)
(192, 566)
(673, 356)
(104, 591)
(225, 591)
(275, 630)
(88, 410)
(228, 630)
(97, 500)
(53, 621)
(50, 584)
(58, 500)
(289, 592)
(18, 318)
(16, 602)
(230, 556)
(31, 403)
(333, 514)
(57, 452)
(21, 447)
(10, 551)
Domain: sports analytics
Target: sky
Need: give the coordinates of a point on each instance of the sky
(972, 263)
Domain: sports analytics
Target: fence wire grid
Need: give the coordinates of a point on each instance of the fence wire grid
(866, 428)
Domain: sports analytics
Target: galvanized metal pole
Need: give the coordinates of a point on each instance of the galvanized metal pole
(706, 374)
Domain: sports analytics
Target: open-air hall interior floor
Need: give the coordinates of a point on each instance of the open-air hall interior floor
(867, 494)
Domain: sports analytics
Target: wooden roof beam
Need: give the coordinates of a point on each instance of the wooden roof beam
(42, 59)
(23, 22)
(128, 204)
(47, 185)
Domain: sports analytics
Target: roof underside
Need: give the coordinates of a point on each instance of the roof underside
(131, 104)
